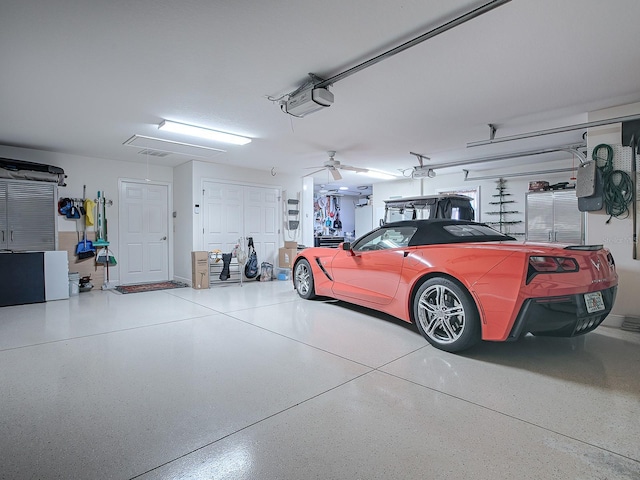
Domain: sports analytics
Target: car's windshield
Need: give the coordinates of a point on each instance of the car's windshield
(385, 238)
(471, 230)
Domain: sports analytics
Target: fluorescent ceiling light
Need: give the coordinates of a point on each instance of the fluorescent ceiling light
(380, 175)
(185, 129)
(343, 188)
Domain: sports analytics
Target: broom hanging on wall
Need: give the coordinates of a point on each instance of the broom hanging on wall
(85, 248)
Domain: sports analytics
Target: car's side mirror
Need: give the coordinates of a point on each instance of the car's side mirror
(347, 247)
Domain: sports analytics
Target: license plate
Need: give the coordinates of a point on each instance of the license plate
(594, 301)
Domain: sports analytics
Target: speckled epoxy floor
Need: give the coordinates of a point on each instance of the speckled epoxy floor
(253, 383)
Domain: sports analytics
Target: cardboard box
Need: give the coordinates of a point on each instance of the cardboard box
(290, 244)
(200, 270)
(286, 256)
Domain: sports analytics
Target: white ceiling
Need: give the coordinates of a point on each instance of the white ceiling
(83, 77)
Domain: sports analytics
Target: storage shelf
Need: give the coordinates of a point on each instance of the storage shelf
(331, 242)
(215, 269)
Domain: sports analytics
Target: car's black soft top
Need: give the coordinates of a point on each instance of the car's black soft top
(434, 232)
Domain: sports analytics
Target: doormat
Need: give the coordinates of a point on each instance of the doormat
(150, 287)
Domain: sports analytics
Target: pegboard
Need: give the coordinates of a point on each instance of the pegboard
(622, 156)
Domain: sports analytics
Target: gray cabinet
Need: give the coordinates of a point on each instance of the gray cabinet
(553, 216)
(4, 228)
(27, 215)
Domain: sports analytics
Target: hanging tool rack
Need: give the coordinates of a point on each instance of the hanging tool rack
(292, 216)
(105, 255)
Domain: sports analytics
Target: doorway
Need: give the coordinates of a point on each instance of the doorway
(234, 211)
(144, 231)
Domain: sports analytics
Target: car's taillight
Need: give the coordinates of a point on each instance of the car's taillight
(610, 260)
(540, 264)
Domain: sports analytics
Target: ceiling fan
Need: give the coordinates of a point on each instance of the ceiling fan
(333, 166)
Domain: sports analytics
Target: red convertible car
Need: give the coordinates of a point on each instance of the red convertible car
(461, 281)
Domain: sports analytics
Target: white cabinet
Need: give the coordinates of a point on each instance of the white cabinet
(56, 275)
(553, 216)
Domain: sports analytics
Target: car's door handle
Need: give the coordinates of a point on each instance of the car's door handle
(406, 253)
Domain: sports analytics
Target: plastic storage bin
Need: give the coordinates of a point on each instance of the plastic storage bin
(74, 284)
(283, 274)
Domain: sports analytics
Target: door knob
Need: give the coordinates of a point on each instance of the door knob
(164, 238)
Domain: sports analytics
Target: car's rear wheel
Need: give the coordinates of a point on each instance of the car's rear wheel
(303, 280)
(446, 315)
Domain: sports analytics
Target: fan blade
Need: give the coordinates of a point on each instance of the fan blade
(353, 169)
(336, 174)
(313, 173)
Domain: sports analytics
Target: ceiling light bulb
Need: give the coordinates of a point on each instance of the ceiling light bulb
(185, 129)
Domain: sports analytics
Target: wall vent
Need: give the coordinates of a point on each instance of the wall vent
(153, 153)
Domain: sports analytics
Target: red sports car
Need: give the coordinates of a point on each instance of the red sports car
(461, 281)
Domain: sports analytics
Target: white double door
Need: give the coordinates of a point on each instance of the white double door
(232, 212)
(144, 232)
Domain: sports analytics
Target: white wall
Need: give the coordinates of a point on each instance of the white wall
(183, 223)
(307, 213)
(186, 179)
(188, 187)
(396, 188)
(617, 235)
(348, 214)
(96, 174)
(517, 186)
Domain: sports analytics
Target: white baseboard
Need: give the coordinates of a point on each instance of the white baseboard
(188, 282)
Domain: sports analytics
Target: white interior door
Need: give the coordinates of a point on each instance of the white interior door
(233, 211)
(144, 232)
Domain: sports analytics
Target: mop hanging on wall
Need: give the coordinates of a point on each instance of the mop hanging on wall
(104, 256)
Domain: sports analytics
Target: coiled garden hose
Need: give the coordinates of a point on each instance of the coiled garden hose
(617, 190)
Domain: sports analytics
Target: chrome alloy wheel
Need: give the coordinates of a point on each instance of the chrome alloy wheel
(441, 314)
(303, 277)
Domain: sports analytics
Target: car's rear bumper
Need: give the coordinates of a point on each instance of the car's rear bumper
(564, 316)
